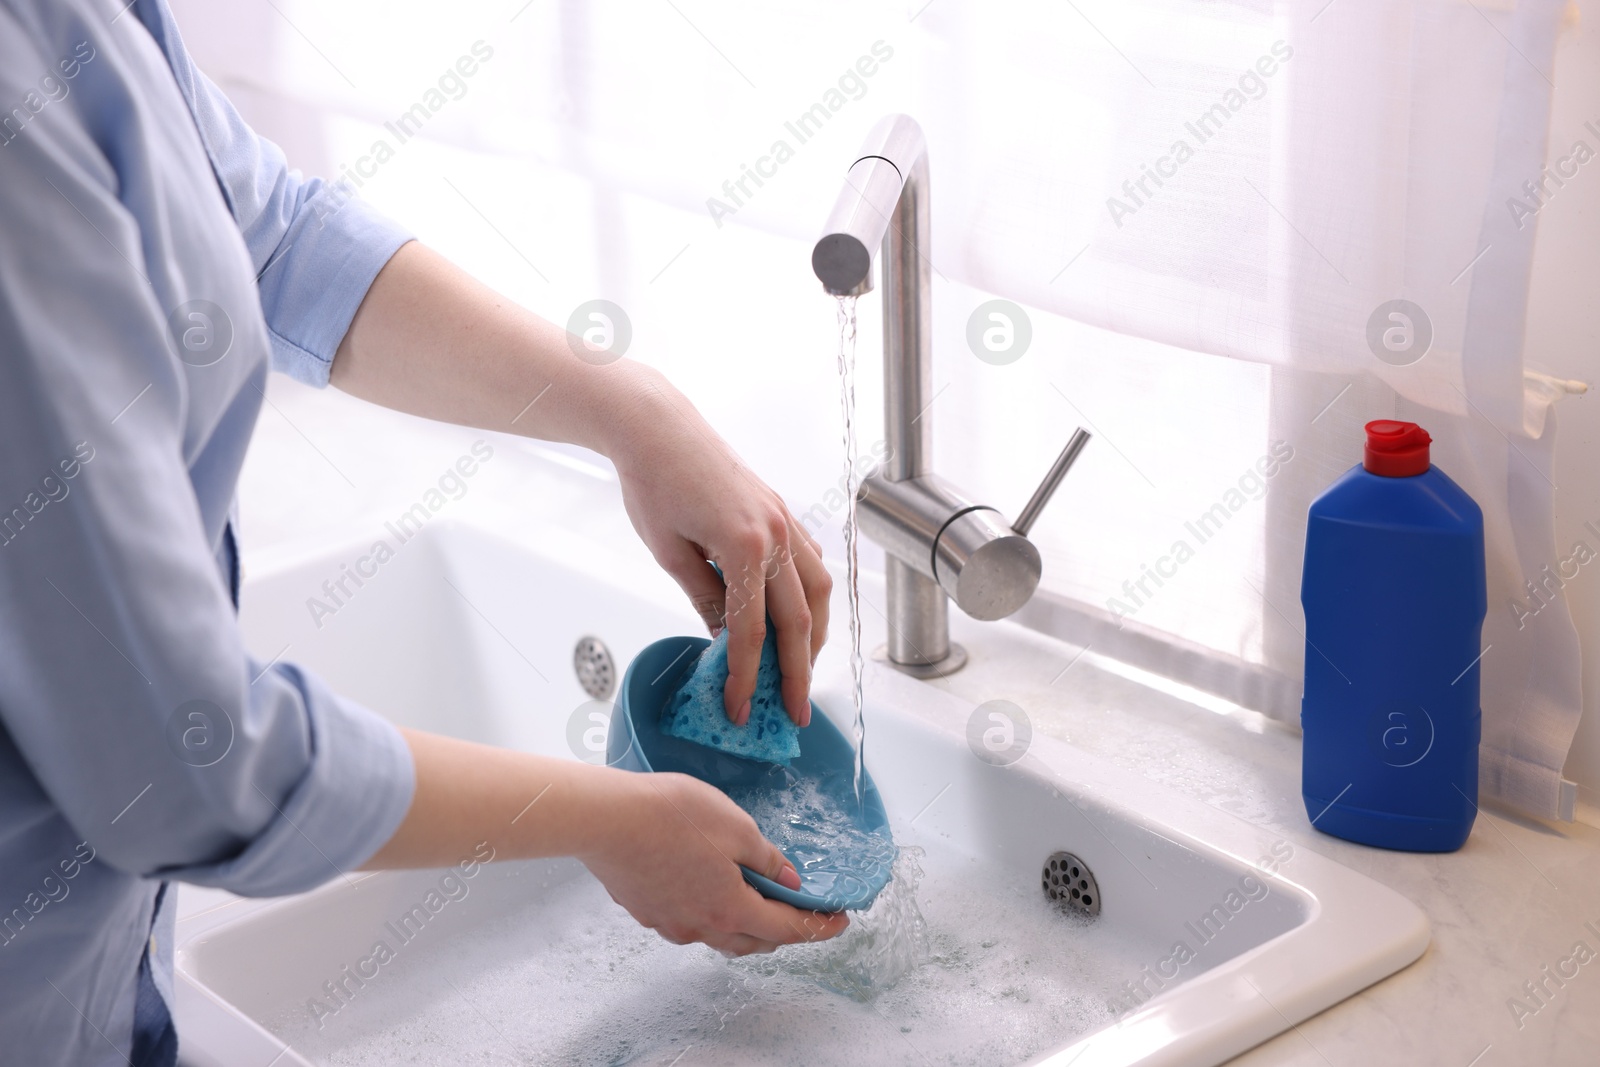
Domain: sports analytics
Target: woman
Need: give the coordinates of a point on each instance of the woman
(155, 258)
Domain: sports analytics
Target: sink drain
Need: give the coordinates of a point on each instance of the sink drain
(1070, 884)
(596, 670)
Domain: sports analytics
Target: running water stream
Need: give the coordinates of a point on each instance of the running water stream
(847, 402)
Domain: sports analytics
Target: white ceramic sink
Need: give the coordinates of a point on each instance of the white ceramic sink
(470, 634)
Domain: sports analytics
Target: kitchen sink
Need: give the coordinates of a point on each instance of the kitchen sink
(1201, 935)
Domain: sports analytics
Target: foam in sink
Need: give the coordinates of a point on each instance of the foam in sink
(695, 712)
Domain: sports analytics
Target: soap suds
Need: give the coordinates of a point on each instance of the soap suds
(994, 975)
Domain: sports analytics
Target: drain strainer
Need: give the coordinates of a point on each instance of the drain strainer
(596, 670)
(1070, 884)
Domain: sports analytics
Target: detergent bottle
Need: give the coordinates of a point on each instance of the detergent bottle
(1394, 597)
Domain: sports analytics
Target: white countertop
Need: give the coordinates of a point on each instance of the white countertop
(1506, 910)
(1514, 900)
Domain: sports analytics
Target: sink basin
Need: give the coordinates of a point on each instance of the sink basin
(1211, 936)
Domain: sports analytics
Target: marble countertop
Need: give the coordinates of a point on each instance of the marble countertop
(1509, 911)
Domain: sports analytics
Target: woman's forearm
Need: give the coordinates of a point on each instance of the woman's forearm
(523, 805)
(666, 846)
(431, 340)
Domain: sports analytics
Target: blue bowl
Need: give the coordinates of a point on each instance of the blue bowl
(827, 759)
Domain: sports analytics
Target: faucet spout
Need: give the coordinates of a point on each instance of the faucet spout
(889, 178)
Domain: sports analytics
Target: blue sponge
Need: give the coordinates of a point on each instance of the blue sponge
(695, 712)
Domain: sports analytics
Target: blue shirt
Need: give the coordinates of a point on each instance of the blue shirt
(156, 257)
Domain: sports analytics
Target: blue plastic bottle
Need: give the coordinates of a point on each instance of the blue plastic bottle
(1394, 597)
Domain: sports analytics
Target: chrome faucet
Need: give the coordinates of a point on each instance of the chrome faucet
(938, 542)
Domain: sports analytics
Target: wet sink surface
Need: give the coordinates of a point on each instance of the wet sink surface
(1212, 936)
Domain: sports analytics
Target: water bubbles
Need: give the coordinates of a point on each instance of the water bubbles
(882, 945)
(811, 825)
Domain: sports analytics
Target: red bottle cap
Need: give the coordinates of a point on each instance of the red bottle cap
(1396, 449)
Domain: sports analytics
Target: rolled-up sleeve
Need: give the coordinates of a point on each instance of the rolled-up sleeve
(352, 781)
(316, 245)
(125, 686)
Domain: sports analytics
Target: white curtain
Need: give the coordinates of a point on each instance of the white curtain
(1162, 182)
(1257, 180)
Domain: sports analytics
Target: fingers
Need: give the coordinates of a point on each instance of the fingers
(773, 924)
(771, 920)
(792, 587)
(750, 848)
(816, 581)
(777, 922)
(747, 630)
(774, 865)
(791, 614)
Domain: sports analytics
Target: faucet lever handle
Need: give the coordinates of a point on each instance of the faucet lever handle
(1058, 470)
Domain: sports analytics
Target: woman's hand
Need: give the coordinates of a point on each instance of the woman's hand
(692, 499)
(666, 846)
(671, 856)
